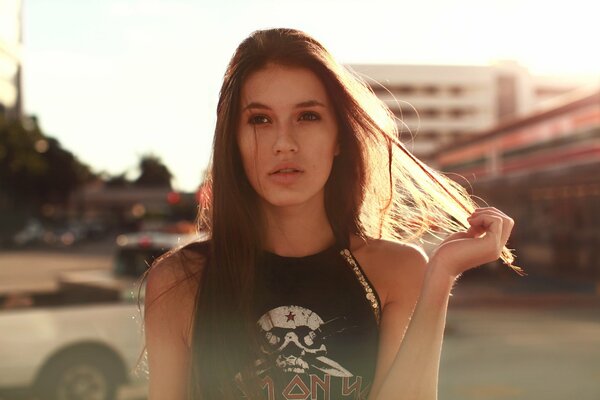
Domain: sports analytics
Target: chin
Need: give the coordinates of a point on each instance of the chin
(289, 200)
(284, 202)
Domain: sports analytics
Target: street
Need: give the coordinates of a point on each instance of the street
(521, 353)
(505, 350)
(36, 269)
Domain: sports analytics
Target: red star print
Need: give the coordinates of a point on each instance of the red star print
(291, 316)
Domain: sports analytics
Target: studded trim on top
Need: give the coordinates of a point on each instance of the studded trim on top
(369, 291)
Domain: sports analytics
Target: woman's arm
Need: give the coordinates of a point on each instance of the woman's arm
(169, 302)
(413, 373)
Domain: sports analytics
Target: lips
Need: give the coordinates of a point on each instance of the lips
(286, 169)
(285, 174)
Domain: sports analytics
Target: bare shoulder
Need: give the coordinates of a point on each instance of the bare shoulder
(174, 269)
(396, 269)
(171, 288)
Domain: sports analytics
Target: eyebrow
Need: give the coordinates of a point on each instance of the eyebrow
(308, 103)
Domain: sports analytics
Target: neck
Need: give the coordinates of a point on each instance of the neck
(297, 231)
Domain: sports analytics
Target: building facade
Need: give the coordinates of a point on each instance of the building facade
(543, 170)
(10, 58)
(439, 104)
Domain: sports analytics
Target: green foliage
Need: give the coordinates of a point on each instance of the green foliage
(34, 168)
(153, 173)
(117, 181)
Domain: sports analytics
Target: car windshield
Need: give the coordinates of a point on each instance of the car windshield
(133, 262)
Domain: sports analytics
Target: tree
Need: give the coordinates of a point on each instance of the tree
(117, 181)
(64, 173)
(34, 170)
(153, 173)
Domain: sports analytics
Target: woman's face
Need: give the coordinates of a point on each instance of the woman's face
(287, 135)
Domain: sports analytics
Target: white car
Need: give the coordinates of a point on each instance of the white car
(85, 341)
(71, 352)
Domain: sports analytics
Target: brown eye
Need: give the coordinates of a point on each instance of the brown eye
(258, 120)
(310, 116)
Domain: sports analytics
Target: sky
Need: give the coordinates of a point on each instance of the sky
(113, 80)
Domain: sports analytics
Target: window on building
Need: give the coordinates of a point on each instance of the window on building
(458, 112)
(430, 113)
(403, 89)
(428, 135)
(456, 90)
(431, 90)
(408, 112)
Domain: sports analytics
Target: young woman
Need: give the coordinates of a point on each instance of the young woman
(308, 285)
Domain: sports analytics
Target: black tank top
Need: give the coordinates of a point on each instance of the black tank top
(318, 320)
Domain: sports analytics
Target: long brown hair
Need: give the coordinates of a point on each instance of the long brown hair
(377, 189)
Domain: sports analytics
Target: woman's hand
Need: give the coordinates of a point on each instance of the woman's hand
(481, 243)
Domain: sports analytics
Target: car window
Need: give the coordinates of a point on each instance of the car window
(133, 262)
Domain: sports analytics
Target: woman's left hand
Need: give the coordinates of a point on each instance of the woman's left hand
(481, 243)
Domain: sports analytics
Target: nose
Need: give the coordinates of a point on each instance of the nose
(285, 141)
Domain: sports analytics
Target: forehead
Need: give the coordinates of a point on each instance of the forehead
(283, 86)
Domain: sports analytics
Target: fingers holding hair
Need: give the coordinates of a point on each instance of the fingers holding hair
(491, 220)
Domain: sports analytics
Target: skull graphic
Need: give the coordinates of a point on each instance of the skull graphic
(293, 341)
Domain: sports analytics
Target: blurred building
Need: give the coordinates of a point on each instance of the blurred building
(440, 104)
(10, 58)
(543, 169)
(131, 208)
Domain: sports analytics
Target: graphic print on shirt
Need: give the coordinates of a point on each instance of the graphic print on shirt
(294, 341)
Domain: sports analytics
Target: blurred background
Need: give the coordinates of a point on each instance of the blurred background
(107, 110)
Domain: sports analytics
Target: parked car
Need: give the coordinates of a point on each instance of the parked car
(136, 251)
(70, 352)
(85, 340)
(31, 233)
